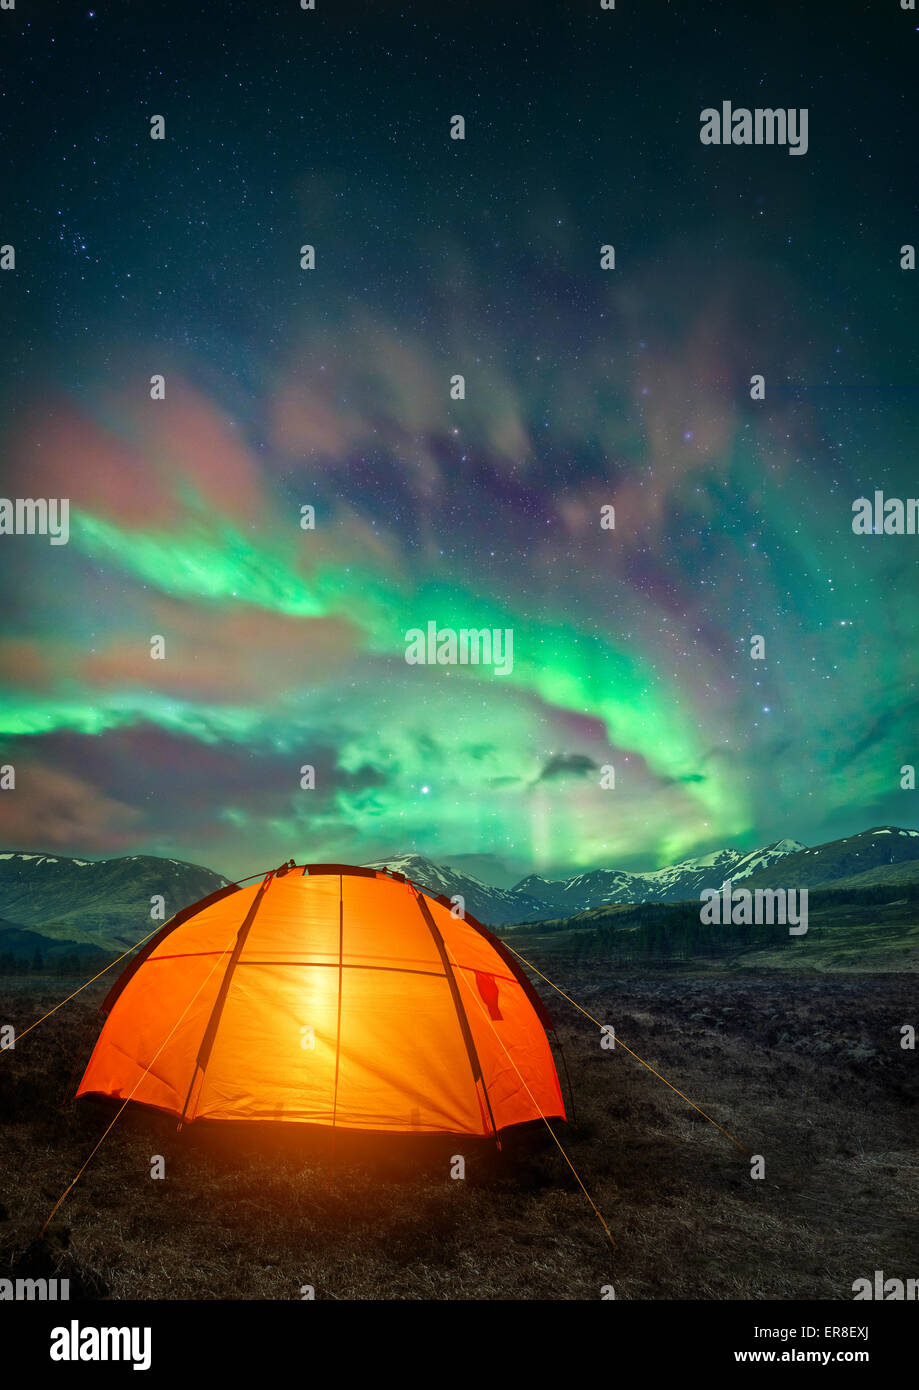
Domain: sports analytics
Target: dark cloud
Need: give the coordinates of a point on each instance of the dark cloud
(567, 765)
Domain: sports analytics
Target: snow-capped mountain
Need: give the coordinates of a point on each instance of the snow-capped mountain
(495, 906)
(674, 883)
(687, 878)
(535, 897)
(868, 852)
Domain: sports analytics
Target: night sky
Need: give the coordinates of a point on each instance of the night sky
(331, 388)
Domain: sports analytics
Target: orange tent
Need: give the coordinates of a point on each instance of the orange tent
(329, 995)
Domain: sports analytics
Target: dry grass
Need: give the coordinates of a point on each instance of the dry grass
(808, 1073)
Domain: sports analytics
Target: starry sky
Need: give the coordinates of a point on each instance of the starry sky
(331, 388)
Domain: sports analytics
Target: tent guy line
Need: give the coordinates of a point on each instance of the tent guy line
(60, 1201)
(619, 1042)
(564, 1155)
(86, 984)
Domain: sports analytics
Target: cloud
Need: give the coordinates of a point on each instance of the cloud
(567, 765)
(237, 656)
(56, 808)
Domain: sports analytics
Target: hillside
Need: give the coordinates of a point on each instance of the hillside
(904, 875)
(856, 855)
(102, 904)
(865, 928)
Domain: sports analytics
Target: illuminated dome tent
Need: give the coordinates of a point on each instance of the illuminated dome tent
(329, 995)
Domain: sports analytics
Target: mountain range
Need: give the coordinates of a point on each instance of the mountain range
(675, 883)
(535, 897)
(62, 905)
(883, 854)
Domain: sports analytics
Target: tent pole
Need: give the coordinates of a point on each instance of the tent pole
(210, 1032)
(477, 1073)
(561, 1048)
(341, 956)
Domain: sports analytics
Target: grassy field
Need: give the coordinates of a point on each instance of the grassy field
(807, 1072)
(842, 936)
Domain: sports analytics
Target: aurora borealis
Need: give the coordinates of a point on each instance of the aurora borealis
(330, 388)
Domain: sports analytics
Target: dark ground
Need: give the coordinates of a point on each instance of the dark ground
(808, 1073)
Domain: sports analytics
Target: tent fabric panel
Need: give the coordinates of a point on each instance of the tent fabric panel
(146, 1029)
(468, 946)
(208, 930)
(151, 944)
(273, 1056)
(298, 920)
(403, 1064)
(389, 1077)
(384, 927)
(513, 1049)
